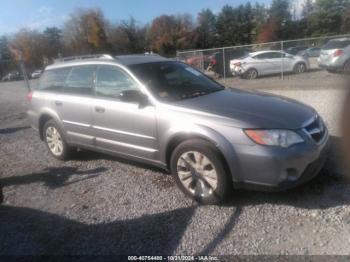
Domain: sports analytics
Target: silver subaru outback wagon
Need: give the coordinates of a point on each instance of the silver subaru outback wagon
(166, 113)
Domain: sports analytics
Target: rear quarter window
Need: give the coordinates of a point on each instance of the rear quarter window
(54, 79)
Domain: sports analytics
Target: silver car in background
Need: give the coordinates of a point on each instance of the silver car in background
(335, 55)
(262, 63)
(165, 113)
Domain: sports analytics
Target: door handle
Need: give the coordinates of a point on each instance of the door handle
(58, 103)
(99, 109)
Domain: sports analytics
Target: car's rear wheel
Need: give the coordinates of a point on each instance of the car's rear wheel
(299, 68)
(200, 172)
(332, 71)
(55, 140)
(252, 73)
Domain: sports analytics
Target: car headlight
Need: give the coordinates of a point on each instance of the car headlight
(274, 137)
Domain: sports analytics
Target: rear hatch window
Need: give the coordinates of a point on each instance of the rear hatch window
(336, 44)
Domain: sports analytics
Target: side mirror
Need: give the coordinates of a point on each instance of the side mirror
(133, 95)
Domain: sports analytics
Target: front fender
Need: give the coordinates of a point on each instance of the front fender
(198, 131)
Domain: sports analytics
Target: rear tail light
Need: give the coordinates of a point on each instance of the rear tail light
(237, 64)
(213, 61)
(338, 52)
(30, 96)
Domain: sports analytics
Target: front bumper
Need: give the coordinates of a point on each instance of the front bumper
(276, 169)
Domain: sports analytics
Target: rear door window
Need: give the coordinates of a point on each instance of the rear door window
(80, 80)
(263, 56)
(275, 55)
(111, 81)
(54, 79)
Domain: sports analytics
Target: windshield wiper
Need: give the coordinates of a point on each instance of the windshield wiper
(200, 93)
(194, 94)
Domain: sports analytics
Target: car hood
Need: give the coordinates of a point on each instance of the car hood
(252, 109)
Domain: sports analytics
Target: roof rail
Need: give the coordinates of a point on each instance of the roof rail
(82, 57)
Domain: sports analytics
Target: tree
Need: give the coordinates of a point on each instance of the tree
(85, 32)
(327, 17)
(235, 25)
(280, 9)
(32, 45)
(345, 27)
(279, 16)
(206, 29)
(53, 38)
(268, 32)
(6, 61)
(127, 37)
(186, 36)
(170, 33)
(307, 9)
(260, 17)
(162, 34)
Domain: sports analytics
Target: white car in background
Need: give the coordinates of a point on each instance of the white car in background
(36, 74)
(268, 62)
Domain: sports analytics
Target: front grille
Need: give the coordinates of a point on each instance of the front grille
(316, 129)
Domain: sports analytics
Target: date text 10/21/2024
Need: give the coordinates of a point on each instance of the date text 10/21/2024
(172, 258)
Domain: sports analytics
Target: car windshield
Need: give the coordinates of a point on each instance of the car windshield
(245, 56)
(336, 44)
(171, 81)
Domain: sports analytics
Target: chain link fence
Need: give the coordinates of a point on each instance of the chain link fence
(247, 61)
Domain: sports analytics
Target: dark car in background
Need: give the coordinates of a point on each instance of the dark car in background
(310, 52)
(13, 76)
(295, 49)
(216, 60)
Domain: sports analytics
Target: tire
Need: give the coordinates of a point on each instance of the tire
(299, 68)
(332, 71)
(188, 163)
(346, 68)
(55, 141)
(252, 73)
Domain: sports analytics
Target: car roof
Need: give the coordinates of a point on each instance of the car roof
(264, 52)
(139, 59)
(340, 39)
(125, 60)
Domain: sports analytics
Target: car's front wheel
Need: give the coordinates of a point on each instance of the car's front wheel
(300, 68)
(55, 141)
(200, 172)
(251, 74)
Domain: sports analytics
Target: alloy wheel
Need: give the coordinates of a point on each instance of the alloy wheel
(252, 74)
(300, 68)
(197, 173)
(54, 141)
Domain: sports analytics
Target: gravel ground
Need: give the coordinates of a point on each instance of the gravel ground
(97, 204)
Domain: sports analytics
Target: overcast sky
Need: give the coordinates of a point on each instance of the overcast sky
(38, 14)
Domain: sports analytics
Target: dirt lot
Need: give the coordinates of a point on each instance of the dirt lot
(97, 204)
